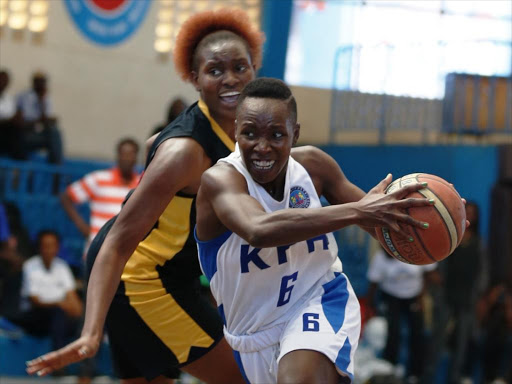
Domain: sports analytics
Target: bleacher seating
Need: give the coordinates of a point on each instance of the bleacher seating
(15, 350)
(34, 186)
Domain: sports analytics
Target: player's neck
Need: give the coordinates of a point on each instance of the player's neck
(228, 126)
(276, 187)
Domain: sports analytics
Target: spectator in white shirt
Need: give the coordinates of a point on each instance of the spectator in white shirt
(401, 287)
(50, 305)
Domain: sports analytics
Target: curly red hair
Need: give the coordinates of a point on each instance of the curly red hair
(202, 24)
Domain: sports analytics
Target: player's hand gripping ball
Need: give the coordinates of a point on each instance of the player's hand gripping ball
(446, 218)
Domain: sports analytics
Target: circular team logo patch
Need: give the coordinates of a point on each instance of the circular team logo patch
(107, 22)
(299, 198)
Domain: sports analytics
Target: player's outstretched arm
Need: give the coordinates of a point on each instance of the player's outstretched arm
(178, 164)
(329, 179)
(225, 196)
(327, 176)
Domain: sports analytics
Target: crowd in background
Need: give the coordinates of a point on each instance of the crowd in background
(452, 307)
(28, 122)
(40, 293)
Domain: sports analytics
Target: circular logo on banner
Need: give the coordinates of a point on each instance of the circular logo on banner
(299, 198)
(107, 22)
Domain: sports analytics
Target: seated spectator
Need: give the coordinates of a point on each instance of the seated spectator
(10, 144)
(104, 190)
(50, 305)
(176, 106)
(38, 124)
(401, 287)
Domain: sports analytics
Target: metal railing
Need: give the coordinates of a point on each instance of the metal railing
(471, 104)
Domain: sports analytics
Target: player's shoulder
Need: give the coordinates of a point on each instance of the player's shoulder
(308, 154)
(189, 124)
(183, 148)
(219, 172)
(312, 158)
(220, 175)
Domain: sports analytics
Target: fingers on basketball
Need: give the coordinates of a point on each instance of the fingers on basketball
(438, 227)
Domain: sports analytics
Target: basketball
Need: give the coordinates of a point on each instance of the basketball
(446, 219)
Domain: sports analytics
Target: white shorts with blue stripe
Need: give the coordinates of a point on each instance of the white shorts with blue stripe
(328, 322)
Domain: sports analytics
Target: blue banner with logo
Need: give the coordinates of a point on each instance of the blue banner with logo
(107, 22)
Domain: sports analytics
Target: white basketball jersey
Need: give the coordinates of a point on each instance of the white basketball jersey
(257, 288)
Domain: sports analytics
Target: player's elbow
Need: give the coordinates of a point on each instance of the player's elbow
(255, 240)
(259, 237)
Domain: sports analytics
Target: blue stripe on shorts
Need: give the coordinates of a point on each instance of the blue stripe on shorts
(343, 359)
(238, 360)
(334, 301)
(334, 305)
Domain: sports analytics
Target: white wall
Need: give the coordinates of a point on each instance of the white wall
(99, 94)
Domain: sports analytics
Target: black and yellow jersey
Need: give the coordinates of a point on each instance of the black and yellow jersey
(158, 297)
(169, 250)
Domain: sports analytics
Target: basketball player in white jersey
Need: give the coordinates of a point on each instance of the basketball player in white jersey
(266, 246)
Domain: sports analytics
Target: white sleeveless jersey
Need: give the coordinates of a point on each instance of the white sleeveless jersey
(257, 288)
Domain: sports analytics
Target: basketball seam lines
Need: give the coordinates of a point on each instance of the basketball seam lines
(425, 176)
(386, 235)
(454, 190)
(414, 229)
(445, 214)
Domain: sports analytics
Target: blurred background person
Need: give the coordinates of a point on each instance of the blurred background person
(401, 288)
(104, 191)
(495, 315)
(50, 305)
(35, 114)
(11, 144)
(15, 248)
(462, 278)
(10, 266)
(176, 106)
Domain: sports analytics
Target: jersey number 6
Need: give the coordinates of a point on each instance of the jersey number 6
(286, 290)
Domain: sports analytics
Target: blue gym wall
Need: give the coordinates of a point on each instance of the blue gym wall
(275, 23)
(472, 169)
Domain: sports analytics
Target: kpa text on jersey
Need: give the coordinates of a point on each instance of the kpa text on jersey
(285, 291)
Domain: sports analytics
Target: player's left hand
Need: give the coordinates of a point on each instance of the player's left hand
(78, 350)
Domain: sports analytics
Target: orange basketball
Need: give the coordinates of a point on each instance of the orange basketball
(446, 219)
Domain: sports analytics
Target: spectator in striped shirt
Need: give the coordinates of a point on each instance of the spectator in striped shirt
(105, 191)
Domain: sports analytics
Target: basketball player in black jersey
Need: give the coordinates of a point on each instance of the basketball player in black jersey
(144, 283)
